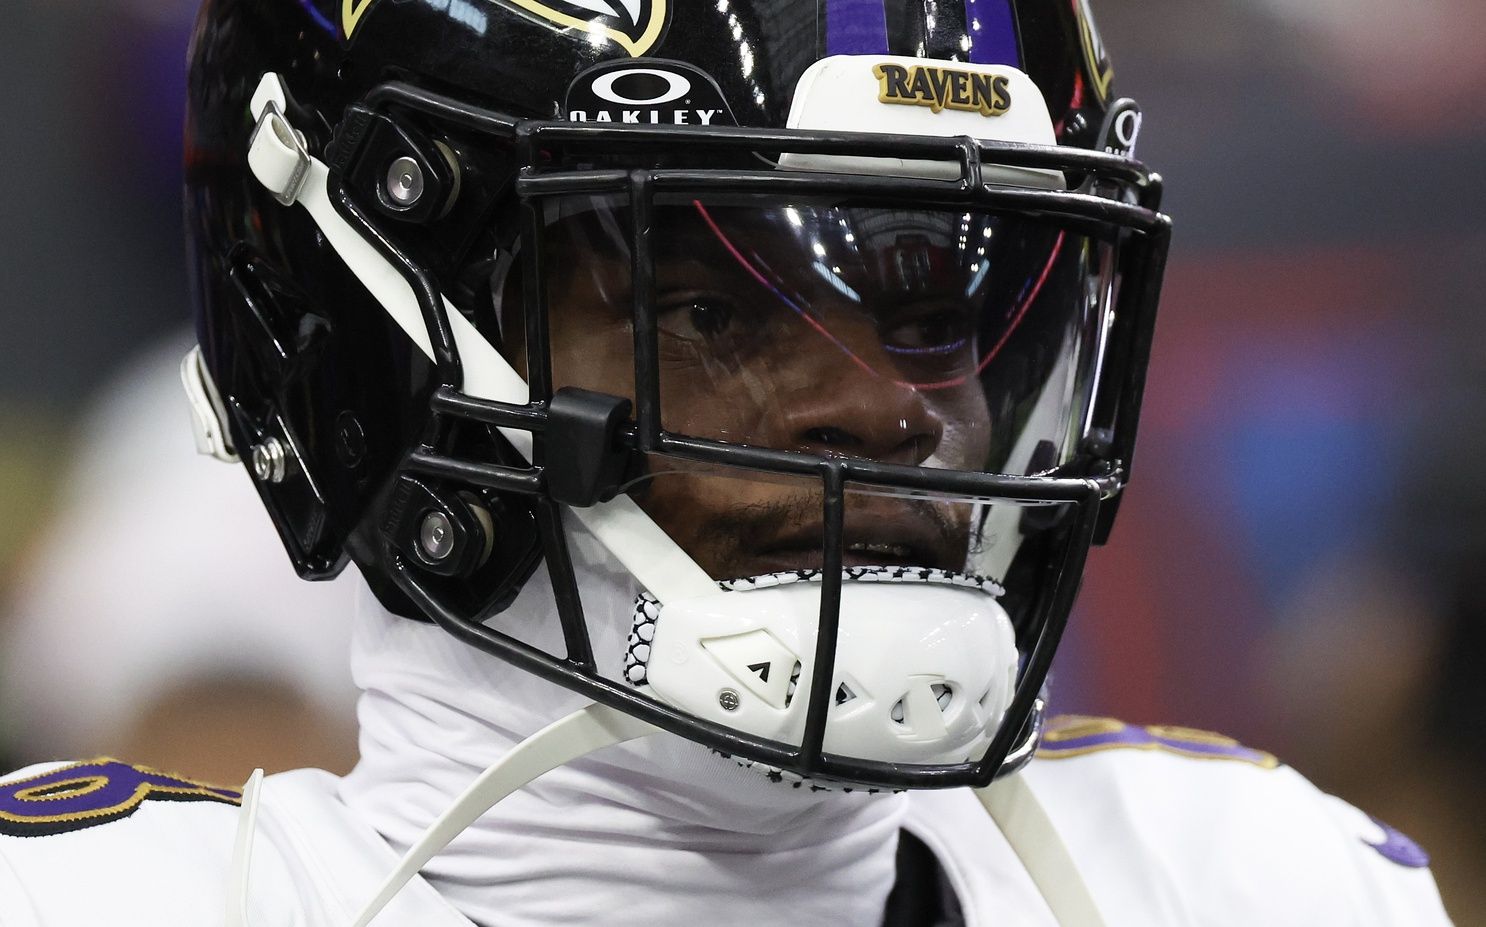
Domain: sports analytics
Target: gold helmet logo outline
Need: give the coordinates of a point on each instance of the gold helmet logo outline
(634, 25)
(1095, 54)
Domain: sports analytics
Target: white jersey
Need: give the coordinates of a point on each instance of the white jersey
(1167, 826)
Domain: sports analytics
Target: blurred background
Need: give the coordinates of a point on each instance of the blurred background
(1301, 562)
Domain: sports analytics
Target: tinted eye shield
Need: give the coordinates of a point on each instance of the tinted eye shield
(917, 299)
(1112, 197)
(560, 160)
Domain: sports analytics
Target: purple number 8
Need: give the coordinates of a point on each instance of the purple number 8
(88, 794)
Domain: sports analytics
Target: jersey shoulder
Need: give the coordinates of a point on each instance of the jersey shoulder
(1216, 827)
(104, 841)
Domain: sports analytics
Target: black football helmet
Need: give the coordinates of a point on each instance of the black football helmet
(826, 320)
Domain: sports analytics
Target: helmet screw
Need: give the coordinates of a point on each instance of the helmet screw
(270, 461)
(350, 440)
(729, 700)
(404, 181)
(436, 537)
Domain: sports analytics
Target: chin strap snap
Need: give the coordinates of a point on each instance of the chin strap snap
(276, 151)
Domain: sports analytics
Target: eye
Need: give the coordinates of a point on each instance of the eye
(693, 318)
(710, 319)
(930, 331)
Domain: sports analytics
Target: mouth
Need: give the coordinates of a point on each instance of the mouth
(908, 540)
(880, 553)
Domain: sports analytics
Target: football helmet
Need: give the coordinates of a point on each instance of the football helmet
(826, 322)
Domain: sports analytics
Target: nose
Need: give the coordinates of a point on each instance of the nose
(849, 404)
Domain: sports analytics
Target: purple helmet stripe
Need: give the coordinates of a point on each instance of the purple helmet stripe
(856, 27)
(991, 25)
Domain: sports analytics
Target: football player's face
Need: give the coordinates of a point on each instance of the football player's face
(865, 360)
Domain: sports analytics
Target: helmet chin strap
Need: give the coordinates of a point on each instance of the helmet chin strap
(557, 744)
(1027, 828)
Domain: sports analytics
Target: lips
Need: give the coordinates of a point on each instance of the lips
(898, 552)
(919, 536)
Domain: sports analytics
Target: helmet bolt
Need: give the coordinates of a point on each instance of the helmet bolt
(404, 181)
(270, 461)
(436, 537)
(729, 700)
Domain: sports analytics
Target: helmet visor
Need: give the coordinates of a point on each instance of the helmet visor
(916, 336)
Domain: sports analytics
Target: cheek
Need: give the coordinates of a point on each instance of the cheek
(688, 507)
(708, 398)
(672, 500)
(592, 341)
(966, 442)
(593, 355)
(682, 506)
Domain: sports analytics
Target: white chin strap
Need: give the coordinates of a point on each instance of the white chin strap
(557, 744)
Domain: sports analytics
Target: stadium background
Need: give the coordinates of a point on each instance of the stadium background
(1298, 561)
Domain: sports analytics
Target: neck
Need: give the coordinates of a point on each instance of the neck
(657, 831)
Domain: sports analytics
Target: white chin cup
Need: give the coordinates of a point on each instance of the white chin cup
(926, 660)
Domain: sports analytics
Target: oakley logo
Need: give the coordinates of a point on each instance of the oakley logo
(943, 88)
(676, 87)
(651, 91)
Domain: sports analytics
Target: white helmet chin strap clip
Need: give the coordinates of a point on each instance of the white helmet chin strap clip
(276, 151)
